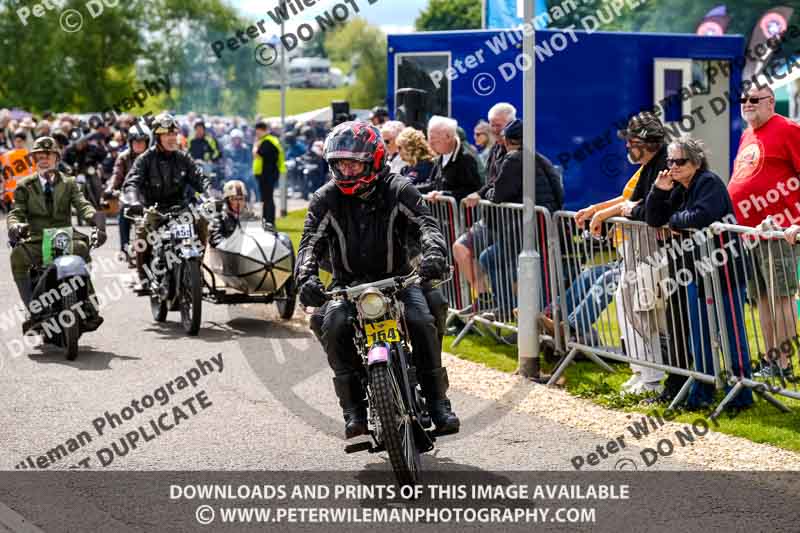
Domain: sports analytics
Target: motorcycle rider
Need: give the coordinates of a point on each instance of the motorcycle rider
(82, 156)
(160, 176)
(45, 200)
(362, 220)
(224, 223)
(203, 147)
(315, 168)
(138, 140)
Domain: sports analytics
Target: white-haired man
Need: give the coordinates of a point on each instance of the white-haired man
(499, 116)
(389, 131)
(455, 172)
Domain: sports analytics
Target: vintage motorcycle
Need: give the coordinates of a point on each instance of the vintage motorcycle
(397, 413)
(174, 272)
(60, 284)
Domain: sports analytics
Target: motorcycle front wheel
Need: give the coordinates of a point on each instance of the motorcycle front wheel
(191, 297)
(396, 431)
(157, 306)
(72, 332)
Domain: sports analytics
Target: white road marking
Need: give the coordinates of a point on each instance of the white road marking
(278, 349)
(299, 344)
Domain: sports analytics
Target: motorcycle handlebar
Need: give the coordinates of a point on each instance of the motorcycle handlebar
(397, 282)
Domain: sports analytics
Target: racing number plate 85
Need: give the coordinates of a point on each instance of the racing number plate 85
(385, 331)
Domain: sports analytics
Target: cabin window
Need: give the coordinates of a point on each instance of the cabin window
(422, 71)
(673, 79)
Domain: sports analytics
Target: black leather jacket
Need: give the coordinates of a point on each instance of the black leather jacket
(91, 156)
(367, 239)
(221, 226)
(162, 177)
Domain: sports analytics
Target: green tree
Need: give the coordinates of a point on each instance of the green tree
(442, 15)
(91, 69)
(316, 46)
(364, 45)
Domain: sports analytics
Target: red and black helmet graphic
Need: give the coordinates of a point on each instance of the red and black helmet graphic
(355, 141)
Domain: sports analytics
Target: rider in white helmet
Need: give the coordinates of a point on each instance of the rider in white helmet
(225, 222)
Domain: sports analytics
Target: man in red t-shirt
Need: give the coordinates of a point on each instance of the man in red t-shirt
(766, 182)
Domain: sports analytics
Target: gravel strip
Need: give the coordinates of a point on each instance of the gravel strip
(714, 451)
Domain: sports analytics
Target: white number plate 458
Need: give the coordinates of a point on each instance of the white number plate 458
(182, 231)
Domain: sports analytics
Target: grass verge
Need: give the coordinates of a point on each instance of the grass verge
(297, 100)
(761, 423)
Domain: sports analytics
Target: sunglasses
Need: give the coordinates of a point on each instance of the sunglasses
(679, 162)
(753, 99)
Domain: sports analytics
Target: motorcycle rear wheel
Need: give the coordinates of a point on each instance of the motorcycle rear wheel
(72, 332)
(191, 297)
(397, 433)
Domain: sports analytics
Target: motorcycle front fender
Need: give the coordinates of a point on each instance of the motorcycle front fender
(378, 354)
(68, 266)
(188, 252)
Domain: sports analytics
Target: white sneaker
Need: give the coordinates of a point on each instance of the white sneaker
(647, 386)
(634, 380)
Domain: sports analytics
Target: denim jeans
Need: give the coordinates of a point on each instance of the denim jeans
(499, 261)
(590, 294)
(124, 231)
(733, 306)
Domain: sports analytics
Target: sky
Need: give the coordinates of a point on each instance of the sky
(392, 16)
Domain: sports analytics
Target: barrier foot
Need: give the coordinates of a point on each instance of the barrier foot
(562, 367)
(463, 332)
(681, 396)
(773, 400)
(602, 364)
(727, 399)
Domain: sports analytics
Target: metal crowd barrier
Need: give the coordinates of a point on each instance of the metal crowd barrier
(493, 236)
(663, 302)
(769, 279)
(445, 210)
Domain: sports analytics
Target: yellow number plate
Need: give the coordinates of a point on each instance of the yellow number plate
(385, 331)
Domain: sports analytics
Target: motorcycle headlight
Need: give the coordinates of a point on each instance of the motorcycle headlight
(372, 304)
(62, 242)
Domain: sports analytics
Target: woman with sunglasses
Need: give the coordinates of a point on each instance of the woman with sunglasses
(689, 197)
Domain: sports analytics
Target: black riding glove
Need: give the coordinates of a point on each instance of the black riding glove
(134, 210)
(18, 231)
(100, 237)
(312, 293)
(433, 266)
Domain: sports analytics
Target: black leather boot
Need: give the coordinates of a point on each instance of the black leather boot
(93, 319)
(353, 402)
(26, 295)
(434, 387)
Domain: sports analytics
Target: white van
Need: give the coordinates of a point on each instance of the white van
(310, 72)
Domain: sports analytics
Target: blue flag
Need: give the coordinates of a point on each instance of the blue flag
(501, 14)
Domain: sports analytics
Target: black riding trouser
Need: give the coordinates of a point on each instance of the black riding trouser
(333, 326)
